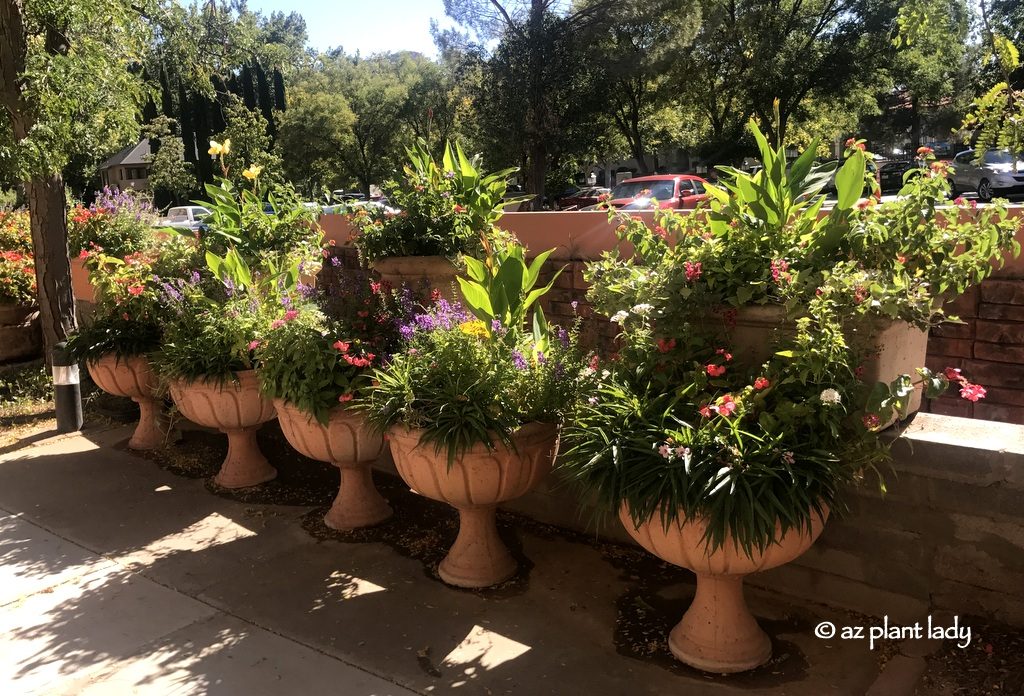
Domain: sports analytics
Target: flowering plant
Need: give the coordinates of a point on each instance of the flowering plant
(17, 267)
(756, 439)
(466, 379)
(118, 221)
(321, 352)
(444, 210)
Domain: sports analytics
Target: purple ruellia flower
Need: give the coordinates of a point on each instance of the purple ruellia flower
(229, 286)
(424, 322)
(196, 277)
(171, 292)
(518, 360)
(335, 261)
(406, 331)
(497, 328)
(286, 302)
(563, 337)
(540, 357)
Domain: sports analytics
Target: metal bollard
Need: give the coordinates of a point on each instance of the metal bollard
(67, 392)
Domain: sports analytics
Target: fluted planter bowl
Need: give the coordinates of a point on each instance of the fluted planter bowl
(419, 272)
(718, 633)
(476, 483)
(350, 445)
(238, 409)
(132, 377)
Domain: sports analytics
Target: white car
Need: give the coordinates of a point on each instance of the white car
(995, 176)
(188, 217)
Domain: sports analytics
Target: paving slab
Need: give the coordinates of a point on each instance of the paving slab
(33, 560)
(85, 624)
(223, 656)
(360, 606)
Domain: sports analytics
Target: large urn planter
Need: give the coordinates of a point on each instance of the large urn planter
(132, 377)
(82, 289)
(419, 272)
(238, 409)
(475, 484)
(893, 348)
(20, 335)
(346, 442)
(718, 633)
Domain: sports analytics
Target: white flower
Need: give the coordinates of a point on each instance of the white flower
(620, 316)
(830, 397)
(665, 452)
(642, 309)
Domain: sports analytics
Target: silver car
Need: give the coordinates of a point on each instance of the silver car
(995, 176)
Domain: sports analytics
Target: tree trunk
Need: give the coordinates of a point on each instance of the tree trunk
(48, 213)
(915, 124)
(538, 174)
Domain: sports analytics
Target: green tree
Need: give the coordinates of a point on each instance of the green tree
(250, 143)
(312, 135)
(170, 176)
(68, 89)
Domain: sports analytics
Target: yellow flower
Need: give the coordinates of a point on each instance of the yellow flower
(475, 328)
(227, 146)
(252, 172)
(215, 148)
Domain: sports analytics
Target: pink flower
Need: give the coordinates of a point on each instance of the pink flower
(660, 231)
(871, 421)
(705, 411)
(253, 345)
(345, 397)
(693, 271)
(952, 374)
(664, 451)
(593, 363)
(277, 324)
(341, 346)
(780, 270)
(290, 314)
(665, 346)
(459, 209)
(724, 353)
(761, 383)
(971, 392)
(726, 406)
(136, 290)
(83, 254)
(715, 370)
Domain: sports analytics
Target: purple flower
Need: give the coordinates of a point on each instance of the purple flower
(196, 277)
(559, 372)
(540, 357)
(518, 360)
(407, 331)
(335, 261)
(574, 304)
(563, 337)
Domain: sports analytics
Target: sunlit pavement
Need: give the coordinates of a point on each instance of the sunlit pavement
(119, 578)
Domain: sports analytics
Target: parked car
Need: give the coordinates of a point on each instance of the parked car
(581, 199)
(890, 174)
(993, 177)
(669, 190)
(188, 217)
(347, 196)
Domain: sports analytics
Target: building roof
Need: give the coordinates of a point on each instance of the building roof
(132, 155)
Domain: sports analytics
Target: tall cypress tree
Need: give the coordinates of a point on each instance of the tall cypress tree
(166, 95)
(279, 101)
(248, 93)
(187, 124)
(204, 165)
(265, 101)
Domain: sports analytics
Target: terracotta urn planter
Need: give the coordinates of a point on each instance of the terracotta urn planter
(132, 377)
(476, 483)
(894, 347)
(21, 336)
(347, 443)
(82, 289)
(420, 272)
(238, 409)
(717, 633)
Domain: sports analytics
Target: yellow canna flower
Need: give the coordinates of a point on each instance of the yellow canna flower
(227, 146)
(252, 172)
(475, 328)
(215, 148)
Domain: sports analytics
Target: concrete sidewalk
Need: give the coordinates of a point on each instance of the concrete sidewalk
(117, 577)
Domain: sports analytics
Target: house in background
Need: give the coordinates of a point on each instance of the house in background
(129, 168)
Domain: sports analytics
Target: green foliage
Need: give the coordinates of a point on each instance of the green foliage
(312, 363)
(311, 136)
(170, 175)
(446, 210)
(246, 129)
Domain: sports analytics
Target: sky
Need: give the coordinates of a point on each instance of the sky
(369, 26)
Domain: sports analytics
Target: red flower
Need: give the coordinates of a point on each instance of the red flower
(780, 270)
(761, 383)
(593, 363)
(715, 370)
(871, 421)
(253, 345)
(345, 397)
(341, 346)
(435, 295)
(374, 287)
(952, 374)
(136, 290)
(724, 353)
(726, 406)
(660, 231)
(705, 411)
(459, 208)
(290, 314)
(83, 254)
(693, 271)
(924, 150)
(971, 392)
(665, 346)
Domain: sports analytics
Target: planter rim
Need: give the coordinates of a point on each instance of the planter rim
(530, 429)
(205, 381)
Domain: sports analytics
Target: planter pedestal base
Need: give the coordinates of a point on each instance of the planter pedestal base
(358, 504)
(718, 633)
(151, 430)
(478, 558)
(245, 465)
